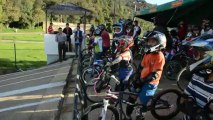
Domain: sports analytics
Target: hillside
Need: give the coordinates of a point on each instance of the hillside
(30, 13)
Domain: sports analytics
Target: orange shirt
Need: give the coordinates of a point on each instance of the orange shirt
(153, 63)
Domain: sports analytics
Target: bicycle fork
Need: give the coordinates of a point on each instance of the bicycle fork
(104, 110)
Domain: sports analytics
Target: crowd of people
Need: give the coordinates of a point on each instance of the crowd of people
(160, 44)
(63, 38)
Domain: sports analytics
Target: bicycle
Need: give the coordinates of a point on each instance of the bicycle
(116, 98)
(176, 64)
(185, 75)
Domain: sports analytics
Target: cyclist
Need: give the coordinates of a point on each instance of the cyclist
(98, 44)
(123, 57)
(152, 67)
(198, 94)
(199, 91)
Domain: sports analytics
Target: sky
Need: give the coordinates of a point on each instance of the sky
(158, 2)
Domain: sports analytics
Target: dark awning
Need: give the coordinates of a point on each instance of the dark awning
(190, 11)
(67, 9)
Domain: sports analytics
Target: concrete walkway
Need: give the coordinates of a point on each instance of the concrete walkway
(34, 94)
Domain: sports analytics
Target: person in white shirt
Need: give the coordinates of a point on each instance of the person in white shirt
(98, 44)
(136, 33)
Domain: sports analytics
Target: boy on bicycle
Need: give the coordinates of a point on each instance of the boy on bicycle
(124, 58)
(152, 67)
(197, 100)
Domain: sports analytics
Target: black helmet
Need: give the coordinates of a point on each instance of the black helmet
(97, 32)
(101, 27)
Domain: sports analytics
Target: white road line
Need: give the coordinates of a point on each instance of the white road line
(30, 89)
(45, 67)
(31, 80)
(29, 104)
(32, 74)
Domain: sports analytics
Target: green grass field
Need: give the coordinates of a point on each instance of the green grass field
(29, 55)
(13, 30)
(23, 37)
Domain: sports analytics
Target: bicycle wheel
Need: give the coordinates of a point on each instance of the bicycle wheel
(164, 105)
(171, 70)
(93, 112)
(94, 97)
(89, 74)
(85, 63)
(183, 78)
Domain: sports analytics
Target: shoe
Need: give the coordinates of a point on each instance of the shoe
(140, 117)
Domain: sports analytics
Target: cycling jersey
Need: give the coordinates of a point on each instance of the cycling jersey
(153, 63)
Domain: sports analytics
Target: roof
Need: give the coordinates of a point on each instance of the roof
(191, 11)
(67, 9)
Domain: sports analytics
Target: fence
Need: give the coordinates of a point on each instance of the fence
(19, 54)
(79, 95)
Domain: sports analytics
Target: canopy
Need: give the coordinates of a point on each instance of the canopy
(67, 9)
(189, 11)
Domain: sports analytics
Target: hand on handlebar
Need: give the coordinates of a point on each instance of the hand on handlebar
(108, 64)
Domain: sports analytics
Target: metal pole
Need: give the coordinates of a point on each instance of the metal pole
(134, 11)
(46, 21)
(114, 11)
(14, 43)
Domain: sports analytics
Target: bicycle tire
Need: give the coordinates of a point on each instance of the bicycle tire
(155, 101)
(88, 81)
(85, 63)
(97, 106)
(85, 56)
(85, 51)
(172, 74)
(92, 96)
(183, 78)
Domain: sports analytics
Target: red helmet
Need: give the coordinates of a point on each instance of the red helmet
(125, 42)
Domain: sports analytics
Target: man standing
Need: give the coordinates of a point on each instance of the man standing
(78, 40)
(61, 39)
(106, 40)
(136, 33)
(68, 32)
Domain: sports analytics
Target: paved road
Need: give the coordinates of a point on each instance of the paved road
(34, 94)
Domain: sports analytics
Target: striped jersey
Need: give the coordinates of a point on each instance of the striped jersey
(200, 89)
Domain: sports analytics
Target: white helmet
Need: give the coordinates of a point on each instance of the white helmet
(161, 39)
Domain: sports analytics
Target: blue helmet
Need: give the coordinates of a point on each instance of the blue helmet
(118, 29)
(204, 42)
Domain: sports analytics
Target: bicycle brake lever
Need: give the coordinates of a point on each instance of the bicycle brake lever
(115, 79)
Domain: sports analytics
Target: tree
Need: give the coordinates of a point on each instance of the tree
(38, 13)
(1, 14)
(11, 11)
